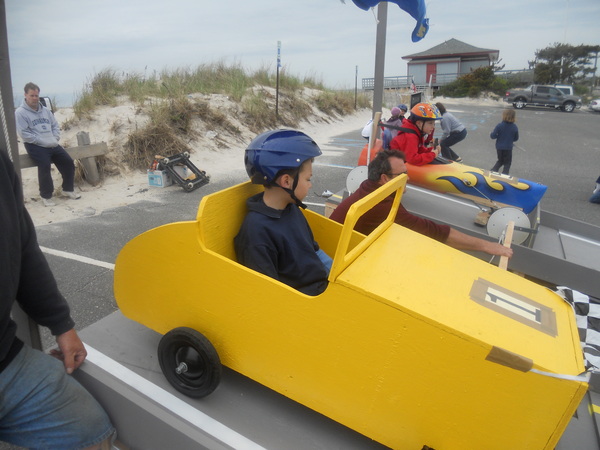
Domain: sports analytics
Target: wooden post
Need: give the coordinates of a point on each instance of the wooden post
(510, 228)
(89, 164)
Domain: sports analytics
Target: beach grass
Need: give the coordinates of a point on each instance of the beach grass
(106, 86)
(175, 99)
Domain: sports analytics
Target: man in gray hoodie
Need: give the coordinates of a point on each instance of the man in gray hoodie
(40, 133)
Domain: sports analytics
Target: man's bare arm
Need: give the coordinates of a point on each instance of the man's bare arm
(462, 241)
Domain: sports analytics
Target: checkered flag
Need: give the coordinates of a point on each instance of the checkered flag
(587, 313)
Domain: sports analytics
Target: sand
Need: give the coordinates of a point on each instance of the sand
(132, 186)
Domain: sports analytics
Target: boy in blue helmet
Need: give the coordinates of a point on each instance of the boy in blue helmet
(275, 238)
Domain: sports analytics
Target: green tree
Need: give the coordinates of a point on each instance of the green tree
(563, 63)
(475, 82)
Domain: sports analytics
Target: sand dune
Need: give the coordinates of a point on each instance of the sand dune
(216, 159)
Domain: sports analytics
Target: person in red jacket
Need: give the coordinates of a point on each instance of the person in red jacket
(417, 129)
(387, 165)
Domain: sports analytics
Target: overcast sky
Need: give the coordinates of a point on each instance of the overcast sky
(61, 44)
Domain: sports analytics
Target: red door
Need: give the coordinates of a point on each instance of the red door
(430, 73)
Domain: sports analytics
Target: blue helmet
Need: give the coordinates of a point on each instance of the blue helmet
(276, 150)
(403, 106)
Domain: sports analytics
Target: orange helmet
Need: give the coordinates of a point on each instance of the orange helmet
(425, 111)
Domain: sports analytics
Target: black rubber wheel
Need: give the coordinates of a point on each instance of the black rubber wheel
(189, 362)
(568, 107)
(519, 103)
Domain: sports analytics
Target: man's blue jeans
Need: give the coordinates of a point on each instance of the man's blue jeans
(43, 407)
(43, 158)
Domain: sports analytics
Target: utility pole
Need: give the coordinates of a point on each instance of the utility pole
(380, 57)
(355, 86)
(561, 69)
(27, 330)
(8, 139)
(277, 88)
(594, 77)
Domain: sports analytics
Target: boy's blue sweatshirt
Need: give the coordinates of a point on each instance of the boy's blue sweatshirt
(505, 134)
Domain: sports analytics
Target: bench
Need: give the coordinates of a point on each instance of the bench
(85, 153)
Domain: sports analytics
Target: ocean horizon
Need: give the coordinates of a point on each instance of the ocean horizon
(59, 99)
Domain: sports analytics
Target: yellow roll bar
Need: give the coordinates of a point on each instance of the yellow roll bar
(343, 258)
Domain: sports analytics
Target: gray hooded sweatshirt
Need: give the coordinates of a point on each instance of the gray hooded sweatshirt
(37, 127)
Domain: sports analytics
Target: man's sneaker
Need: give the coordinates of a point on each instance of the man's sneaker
(72, 195)
(48, 202)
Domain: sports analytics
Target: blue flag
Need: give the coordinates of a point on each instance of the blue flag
(416, 8)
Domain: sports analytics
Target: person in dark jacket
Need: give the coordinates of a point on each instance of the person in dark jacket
(41, 405)
(275, 238)
(387, 165)
(506, 134)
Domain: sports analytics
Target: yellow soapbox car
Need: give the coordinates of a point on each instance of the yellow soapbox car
(412, 343)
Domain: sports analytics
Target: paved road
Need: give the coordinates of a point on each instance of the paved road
(560, 150)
